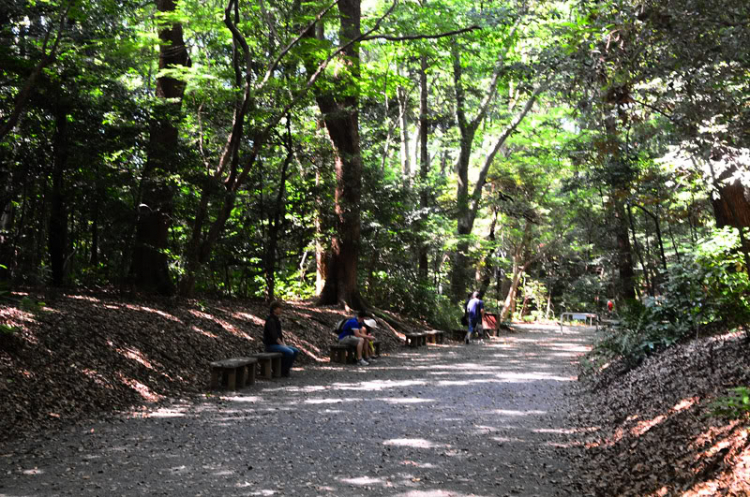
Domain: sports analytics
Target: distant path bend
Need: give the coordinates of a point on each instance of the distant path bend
(454, 420)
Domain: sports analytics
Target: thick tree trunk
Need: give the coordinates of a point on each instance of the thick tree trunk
(150, 263)
(58, 223)
(624, 253)
(341, 117)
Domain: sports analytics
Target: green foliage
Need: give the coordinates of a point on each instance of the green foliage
(30, 305)
(734, 406)
(708, 291)
(8, 330)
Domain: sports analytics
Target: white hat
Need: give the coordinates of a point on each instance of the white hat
(371, 323)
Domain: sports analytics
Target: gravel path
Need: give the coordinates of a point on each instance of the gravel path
(450, 420)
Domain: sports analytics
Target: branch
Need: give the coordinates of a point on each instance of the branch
(476, 196)
(291, 45)
(25, 93)
(421, 37)
(655, 109)
(261, 137)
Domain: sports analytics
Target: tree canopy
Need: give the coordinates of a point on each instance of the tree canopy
(552, 155)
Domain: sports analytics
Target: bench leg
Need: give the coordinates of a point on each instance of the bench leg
(265, 369)
(232, 379)
(377, 348)
(215, 372)
(250, 374)
(276, 367)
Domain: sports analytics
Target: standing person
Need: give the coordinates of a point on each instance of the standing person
(354, 332)
(273, 339)
(475, 310)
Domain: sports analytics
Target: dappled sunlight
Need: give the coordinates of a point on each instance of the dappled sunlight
(163, 314)
(226, 325)
(85, 298)
(330, 401)
(645, 425)
(132, 354)
(166, 412)
(32, 472)
(376, 385)
(362, 480)
(417, 464)
(203, 332)
(521, 377)
(248, 317)
(414, 443)
(435, 493)
(139, 387)
(413, 400)
(251, 399)
(506, 412)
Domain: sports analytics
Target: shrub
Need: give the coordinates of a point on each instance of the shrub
(708, 290)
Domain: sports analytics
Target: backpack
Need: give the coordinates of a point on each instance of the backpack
(340, 326)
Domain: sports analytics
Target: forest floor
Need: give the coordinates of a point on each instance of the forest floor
(107, 396)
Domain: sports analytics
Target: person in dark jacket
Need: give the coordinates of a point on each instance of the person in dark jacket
(273, 339)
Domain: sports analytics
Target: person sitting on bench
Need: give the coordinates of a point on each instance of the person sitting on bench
(354, 332)
(274, 340)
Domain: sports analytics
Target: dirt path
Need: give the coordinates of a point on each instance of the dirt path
(454, 420)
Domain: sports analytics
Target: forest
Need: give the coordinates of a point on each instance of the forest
(551, 155)
(389, 155)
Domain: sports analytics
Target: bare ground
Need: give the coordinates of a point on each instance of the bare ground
(451, 420)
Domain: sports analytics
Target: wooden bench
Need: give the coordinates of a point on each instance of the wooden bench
(415, 340)
(344, 354)
(270, 364)
(233, 373)
(434, 336)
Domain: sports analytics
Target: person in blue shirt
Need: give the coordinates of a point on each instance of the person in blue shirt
(475, 311)
(354, 332)
(273, 339)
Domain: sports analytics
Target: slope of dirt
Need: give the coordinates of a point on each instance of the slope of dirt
(81, 355)
(651, 431)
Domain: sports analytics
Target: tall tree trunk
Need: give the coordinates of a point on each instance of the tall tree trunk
(341, 117)
(150, 262)
(424, 160)
(403, 115)
(58, 223)
(638, 250)
(275, 225)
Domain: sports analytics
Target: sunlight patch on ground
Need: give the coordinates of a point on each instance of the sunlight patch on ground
(362, 480)
(98, 378)
(166, 412)
(243, 399)
(435, 493)
(32, 472)
(132, 354)
(412, 400)
(507, 412)
(521, 377)
(425, 465)
(327, 401)
(646, 425)
(163, 314)
(249, 317)
(228, 327)
(376, 385)
(203, 332)
(415, 443)
(139, 387)
(84, 298)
